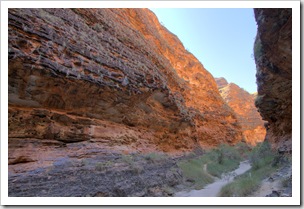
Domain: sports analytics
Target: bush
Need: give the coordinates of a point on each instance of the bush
(229, 152)
(241, 187)
(227, 165)
(155, 157)
(226, 157)
(127, 159)
(222, 159)
(262, 158)
(261, 155)
(246, 184)
(193, 170)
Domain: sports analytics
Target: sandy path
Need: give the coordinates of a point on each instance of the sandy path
(212, 190)
(266, 188)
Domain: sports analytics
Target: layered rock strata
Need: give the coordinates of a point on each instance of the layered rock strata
(107, 79)
(242, 103)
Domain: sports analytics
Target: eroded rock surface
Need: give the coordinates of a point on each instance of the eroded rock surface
(103, 175)
(111, 76)
(273, 57)
(87, 87)
(242, 103)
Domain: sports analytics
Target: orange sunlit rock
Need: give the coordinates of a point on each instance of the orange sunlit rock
(84, 81)
(242, 104)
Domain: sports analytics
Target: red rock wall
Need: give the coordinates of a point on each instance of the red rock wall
(113, 78)
(242, 103)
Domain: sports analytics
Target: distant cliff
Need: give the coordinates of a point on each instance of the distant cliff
(110, 79)
(273, 57)
(242, 103)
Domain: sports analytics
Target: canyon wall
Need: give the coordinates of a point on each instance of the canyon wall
(272, 52)
(242, 103)
(85, 80)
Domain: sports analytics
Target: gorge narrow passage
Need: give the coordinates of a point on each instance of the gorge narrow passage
(213, 189)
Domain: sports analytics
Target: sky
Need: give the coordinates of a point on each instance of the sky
(221, 39)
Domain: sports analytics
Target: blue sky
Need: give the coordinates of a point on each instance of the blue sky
(222, 39)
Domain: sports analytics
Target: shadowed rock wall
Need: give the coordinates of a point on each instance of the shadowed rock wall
(272, 51)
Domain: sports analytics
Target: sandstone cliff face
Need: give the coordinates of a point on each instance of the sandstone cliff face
(272, 51)
(108, 79)
(242, 103)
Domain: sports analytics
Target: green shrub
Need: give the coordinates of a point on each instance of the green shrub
(222, 159)
(247, 183)
(241, 187)
(217, 169)
(155, 157)
(261, 155)
(261, 158)
(219, 160)
(193, 170)
(127, 159)
(229, 152)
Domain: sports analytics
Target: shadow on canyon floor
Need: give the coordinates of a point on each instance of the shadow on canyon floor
(153, 174)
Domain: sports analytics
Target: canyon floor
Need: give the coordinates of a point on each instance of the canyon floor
(109, 103)
(212, 190)
(112, 174)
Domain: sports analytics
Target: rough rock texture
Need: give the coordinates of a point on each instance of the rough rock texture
(103, 175)
(242, 103)
(279, 184)
(106, 79)
(272, 51)
(221, 82)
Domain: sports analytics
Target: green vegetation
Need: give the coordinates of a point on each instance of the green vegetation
(247, 183)
(227, 159)
(131, 162)
(262, 158)
(198, 170)
(127, 159)
(201, 169)
(155, 157)
(193, 171)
